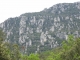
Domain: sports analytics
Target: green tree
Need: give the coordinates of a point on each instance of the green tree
(4, 55)
(33, 57)
(15, 53)
(23, 57)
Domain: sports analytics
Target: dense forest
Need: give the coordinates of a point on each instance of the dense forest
(69, 50)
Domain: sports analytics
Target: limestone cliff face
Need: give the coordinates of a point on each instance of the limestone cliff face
(43, 30)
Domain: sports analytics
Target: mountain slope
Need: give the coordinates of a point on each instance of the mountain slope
(41, 31)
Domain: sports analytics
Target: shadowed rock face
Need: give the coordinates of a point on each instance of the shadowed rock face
(41, 31)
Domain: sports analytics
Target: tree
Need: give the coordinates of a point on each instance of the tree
(33, 57)
(23, 57)
(15, 53)
(3, 48)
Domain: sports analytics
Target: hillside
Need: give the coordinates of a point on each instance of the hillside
(44, 30)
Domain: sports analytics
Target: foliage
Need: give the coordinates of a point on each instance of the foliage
(33, 57)
(68, 51)
(4, 52)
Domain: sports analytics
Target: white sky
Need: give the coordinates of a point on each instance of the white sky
(13, 8)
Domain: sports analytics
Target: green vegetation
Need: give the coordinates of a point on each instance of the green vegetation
(69, 50)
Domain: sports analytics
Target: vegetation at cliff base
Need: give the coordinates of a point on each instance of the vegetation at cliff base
(69, 50)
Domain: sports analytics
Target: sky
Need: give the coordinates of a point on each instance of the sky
(14, 8)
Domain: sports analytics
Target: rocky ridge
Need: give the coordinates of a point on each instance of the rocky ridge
(41, 31)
